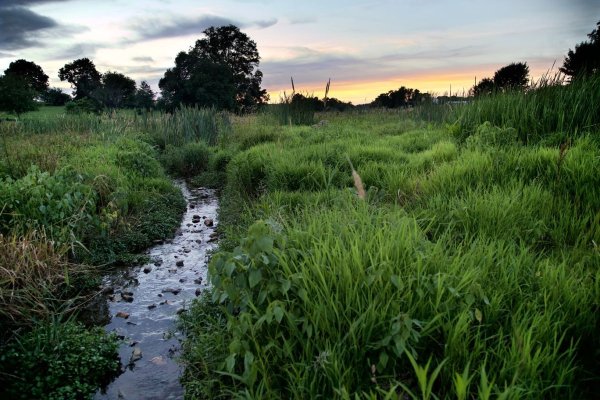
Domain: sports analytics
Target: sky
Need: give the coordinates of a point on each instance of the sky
(366, 47)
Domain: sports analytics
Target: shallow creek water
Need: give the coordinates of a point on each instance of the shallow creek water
(141, 304)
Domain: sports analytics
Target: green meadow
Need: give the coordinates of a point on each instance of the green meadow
(438, 252)
(460, 259)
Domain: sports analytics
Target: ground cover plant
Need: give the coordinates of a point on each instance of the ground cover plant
(468, 268)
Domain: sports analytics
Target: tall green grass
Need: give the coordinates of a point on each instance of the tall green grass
(470, 269)
(550, 110)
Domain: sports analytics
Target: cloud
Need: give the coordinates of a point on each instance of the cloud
(302, 20)
(17, 26)
(6, 55)
(24, 3)
(175, 26)
(143, 59)
(156, 29)
(77, 51)
(264, 24)
(317, 65)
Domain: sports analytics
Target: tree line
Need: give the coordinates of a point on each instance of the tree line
(221, 70)
(581, 62)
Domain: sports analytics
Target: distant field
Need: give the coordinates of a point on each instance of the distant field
(42, 112)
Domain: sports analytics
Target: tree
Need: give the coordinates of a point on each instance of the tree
(403, 97)
(229, 46)
(82, 75)
(485, 86)
(144, 97)
(198, 81)
(585, 59)
(29, 71)
(116, 91)
(55, 97)
(15, 95)
(514, 76)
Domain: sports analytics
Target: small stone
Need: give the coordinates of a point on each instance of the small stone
(208, 222)
(108, 290)
(160, 295)
(159, 360)
(126, 297)
(173, 270)
(133, 343)
(122, 314)
(186, 250)
(151, 306)
(198, 292)
(198, 241)
(147, 270)
(136, 355)
(198, 281)
(131, 323)
(172, 290)
(179, 263)
(158, 263)
(182, 280)
(192, 206)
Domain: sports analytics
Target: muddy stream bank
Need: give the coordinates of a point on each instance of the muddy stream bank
(141, 303)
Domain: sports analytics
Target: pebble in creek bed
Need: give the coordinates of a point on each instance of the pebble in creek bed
(179, 263)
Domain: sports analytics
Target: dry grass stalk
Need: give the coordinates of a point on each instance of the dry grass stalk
(33, 272)
(358, 184)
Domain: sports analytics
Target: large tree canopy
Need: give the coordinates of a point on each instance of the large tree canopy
(15, 95)
(514, 76)
(30, 72)
(82, 75)
(585, 59)
(511, 77)
(116, 91)
(198, 81)
(229, 53)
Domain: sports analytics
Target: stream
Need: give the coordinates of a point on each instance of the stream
(141, 303)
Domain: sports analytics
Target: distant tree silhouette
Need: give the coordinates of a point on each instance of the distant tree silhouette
(116, 90)
(55, 97)
(585, 59)
(485, 86)
(514, 76)
(30, 72)
(144, 96)
(402, 97)
(224, 46)
(15, 95)
(82, 75)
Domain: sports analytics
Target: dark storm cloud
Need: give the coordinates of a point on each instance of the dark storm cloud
(149, 29)
(21, 28)
(17, 25)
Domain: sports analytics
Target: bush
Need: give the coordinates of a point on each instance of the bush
(60, 204)
(187, 160)
(84, 106)
(57, 361)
